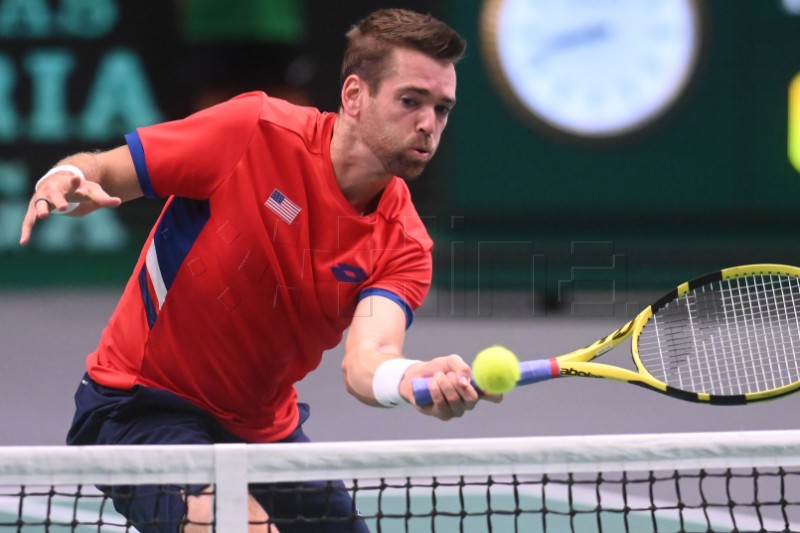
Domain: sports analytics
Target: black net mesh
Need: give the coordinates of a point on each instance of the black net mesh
(685, 500)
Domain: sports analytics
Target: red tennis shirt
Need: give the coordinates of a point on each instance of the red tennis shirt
(255, 265)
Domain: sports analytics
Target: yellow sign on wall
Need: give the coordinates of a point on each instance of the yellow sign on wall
(794, 122)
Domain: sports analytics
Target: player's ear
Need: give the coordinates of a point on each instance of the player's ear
(354, 90)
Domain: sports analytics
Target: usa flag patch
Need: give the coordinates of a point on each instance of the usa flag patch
(282, 206)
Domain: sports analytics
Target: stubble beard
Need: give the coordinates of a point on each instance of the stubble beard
(395, 160)
(403, 167)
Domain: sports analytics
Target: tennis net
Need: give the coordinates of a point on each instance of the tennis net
(693, 482)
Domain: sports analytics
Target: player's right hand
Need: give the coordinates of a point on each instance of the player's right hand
(450, 387)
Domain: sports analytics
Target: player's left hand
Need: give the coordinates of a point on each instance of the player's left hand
(450, 387)
(56, 192)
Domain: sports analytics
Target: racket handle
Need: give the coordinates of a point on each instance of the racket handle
(538, 370)
(422, 393)
(530, 372)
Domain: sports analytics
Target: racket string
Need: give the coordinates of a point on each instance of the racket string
(737, 336)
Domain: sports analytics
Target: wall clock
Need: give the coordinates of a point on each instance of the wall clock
(592, 68)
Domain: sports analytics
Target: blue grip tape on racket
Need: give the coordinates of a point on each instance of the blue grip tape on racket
(530, 372)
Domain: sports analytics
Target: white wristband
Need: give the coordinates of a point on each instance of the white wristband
(386, 381)
(71, 206)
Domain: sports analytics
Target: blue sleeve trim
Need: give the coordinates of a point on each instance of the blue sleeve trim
(137, 153)
(393, 297)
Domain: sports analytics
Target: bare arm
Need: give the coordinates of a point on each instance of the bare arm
(110, 180)
(376, 335)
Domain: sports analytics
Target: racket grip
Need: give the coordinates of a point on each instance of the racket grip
(530, 372)
(538, 370)
(422, 394)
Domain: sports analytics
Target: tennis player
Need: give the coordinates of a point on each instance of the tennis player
(283, 227)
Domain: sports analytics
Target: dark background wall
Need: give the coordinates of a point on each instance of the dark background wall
(543, 242)
(511, 206)
(707, 185)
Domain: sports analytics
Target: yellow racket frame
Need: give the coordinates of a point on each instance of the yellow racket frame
(578, 363)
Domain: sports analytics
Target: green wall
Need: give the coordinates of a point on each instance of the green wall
(708, 186)
(510, 206)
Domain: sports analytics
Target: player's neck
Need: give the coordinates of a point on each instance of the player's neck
(359, 174)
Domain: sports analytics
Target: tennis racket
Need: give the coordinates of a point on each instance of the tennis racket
(730, 337)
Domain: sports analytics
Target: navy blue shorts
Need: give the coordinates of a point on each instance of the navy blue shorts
(143, 415)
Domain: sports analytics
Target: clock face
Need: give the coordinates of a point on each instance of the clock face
(592, 68)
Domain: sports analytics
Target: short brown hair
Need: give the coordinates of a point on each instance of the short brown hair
(371, 41)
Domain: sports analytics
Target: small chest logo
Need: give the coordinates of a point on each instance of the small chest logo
(349, 273)
(282, 206)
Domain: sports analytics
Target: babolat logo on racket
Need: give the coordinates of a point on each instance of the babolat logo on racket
(578, 373)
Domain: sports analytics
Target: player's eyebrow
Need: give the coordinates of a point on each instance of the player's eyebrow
(425, 92)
